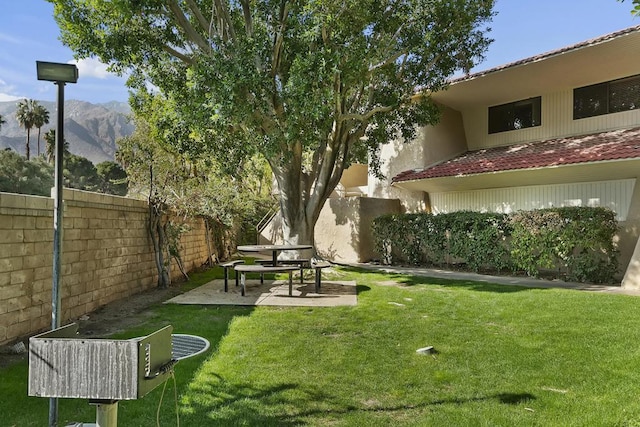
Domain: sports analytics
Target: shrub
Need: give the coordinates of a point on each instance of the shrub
(576, 242)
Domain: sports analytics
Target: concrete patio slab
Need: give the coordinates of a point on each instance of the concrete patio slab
(273, 293)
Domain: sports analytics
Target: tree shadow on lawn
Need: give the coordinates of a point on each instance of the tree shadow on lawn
(504, 398)
(290, 404)
(481, 286)
(471, 285)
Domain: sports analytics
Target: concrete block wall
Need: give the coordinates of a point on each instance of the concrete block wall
(106, 256)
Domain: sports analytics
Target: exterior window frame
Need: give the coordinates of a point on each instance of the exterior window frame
(602, 96)
(517, 115)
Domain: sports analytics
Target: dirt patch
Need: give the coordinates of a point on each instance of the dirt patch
(114, 317)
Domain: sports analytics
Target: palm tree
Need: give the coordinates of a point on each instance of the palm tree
(41, 118)
(50, 140)
(26, 117)
(50, 144)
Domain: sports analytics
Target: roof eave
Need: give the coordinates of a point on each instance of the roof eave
(604, 170)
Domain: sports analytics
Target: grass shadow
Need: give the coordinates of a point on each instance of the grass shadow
(408, 279)
(506, 398)
(471, 285)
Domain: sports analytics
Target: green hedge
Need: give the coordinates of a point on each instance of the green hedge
(574, 243)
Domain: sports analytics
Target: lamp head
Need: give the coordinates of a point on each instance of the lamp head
(57, 72)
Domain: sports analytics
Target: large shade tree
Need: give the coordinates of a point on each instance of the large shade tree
(311, 84)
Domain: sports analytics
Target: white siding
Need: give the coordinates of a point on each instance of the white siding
(615, 195)
(557, 122)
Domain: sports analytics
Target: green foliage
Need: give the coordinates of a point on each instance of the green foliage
(19, 175)
(112, 178)
(469, 237)
(233, 196)
(309, 85)
(478, 239)
(636, 7)
(36, 176)
(386, 229)
(80, 173)
(576, 242)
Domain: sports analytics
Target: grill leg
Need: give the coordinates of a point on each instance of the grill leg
(107, 413)
(243, 280)
(226, 279)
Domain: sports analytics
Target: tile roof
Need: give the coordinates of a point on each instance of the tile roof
(542, 56)
(604, 146)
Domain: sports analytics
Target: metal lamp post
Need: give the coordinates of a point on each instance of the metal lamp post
(59, 74)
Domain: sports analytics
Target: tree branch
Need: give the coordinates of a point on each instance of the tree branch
(186, 26)
(248, 21)
(173, 52)
(278, 42)
(387, 61)
(225, 27)
(198, 14)
(366, 116)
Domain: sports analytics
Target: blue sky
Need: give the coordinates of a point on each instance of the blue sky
(522, 28)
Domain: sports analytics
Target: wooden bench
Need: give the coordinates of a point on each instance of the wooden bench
(229, 265)
(317, 267)
(243, 269)
(302, 263)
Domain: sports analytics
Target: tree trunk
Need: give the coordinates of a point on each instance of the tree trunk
(156, 233)
(300, 208)
(303, 189)
(39, 141)
(297, 228)
(27, 148)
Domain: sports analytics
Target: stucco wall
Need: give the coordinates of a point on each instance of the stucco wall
(433, 144)
(106, 256)
(343, 231)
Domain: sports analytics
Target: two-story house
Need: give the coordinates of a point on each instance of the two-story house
(558, 129)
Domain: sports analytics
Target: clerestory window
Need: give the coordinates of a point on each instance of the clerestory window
(605, 98)
(515, 115)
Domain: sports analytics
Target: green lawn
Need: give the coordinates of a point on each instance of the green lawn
(505, 356)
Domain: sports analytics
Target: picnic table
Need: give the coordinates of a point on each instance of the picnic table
(273, 265)
(274, 249)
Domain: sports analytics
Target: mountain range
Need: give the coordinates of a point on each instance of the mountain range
(90, 129)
